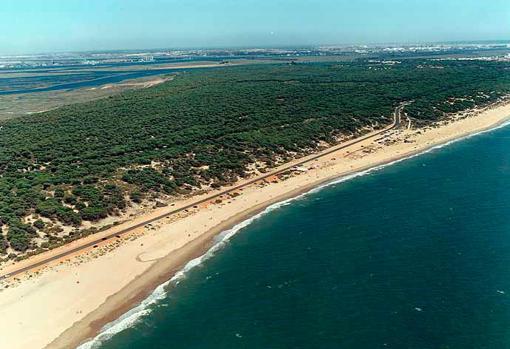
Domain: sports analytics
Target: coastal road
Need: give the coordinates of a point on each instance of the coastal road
(397, 117)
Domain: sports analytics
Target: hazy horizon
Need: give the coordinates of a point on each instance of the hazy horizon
(35, 26)
(261, 47)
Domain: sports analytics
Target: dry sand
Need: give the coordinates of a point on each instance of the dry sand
(71, 300)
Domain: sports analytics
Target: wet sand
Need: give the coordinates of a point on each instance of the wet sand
(73, 299)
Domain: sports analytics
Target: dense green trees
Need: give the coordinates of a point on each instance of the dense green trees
(82, 162)
(19, 236)
(53, 208)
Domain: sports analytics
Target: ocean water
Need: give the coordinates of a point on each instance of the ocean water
(414, 255)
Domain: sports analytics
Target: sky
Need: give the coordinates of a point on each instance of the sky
(32, 26)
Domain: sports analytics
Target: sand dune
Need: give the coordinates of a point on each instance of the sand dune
(72, 299)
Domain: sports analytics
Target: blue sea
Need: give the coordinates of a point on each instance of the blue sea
(412, 255)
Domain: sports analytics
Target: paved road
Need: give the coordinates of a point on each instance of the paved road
(395, 125)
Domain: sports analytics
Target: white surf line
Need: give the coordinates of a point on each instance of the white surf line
(133, 316)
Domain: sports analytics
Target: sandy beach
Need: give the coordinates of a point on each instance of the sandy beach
(62, 304)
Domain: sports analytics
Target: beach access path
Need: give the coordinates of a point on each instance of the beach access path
(65, 251)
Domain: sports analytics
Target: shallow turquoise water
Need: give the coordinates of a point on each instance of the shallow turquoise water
(416, 255)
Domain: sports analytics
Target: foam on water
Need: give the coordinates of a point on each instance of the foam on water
(131, 317)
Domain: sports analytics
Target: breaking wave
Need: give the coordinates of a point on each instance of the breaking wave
(131, 317)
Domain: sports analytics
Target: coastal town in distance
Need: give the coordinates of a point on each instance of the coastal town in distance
(254, 175)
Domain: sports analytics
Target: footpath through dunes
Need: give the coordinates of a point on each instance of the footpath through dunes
(116, 232)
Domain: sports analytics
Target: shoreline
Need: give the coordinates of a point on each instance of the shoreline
(159, 275)
(143, 281)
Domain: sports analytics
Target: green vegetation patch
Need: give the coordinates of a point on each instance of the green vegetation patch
(87, 161)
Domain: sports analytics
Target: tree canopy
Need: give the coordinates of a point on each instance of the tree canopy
(87, 161)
